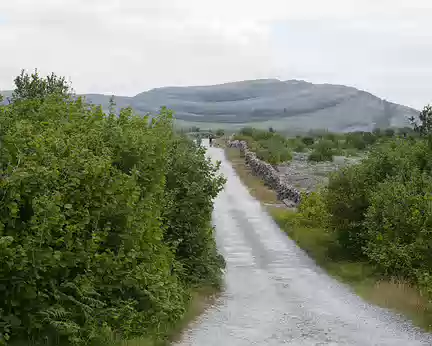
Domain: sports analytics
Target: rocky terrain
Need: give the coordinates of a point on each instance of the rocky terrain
(307, 176)
(291, 179)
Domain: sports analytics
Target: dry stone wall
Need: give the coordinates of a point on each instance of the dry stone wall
(265, 171)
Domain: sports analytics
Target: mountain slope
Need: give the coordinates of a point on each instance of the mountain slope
(292, 104)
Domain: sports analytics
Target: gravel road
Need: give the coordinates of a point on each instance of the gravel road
(276, 295)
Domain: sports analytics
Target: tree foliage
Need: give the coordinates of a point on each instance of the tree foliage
(268, 146)
(32, 87)
(423, 125)
(220, 132)
(192, 183)
(308, 141)
(323, 151)
(380, 210)
(398, 223)
(350, 190)
(104, 220)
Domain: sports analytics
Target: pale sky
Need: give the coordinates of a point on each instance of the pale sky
(124, 47)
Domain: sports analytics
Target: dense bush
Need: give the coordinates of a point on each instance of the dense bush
(275, 148)
(220, 132)
(191, 185)
(380, 210)
(104, 220)
(308, 141)
(323, 151)
(398, 223)
(299, 147)
(349, 191)
(346, 202)
(360, 140)
(268, 146)
(349, 142)
(313, 210)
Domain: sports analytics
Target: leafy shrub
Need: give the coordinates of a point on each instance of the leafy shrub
(389, 132)
(380, 209)
(423, 125)
(356, 140)
(369, 138)
(346, 202)
(323, 151)
(268, 146)
(247, 131)
(349, 191)
(361, 140)
(308, 141)
(330, 136)
(398, 223)
(88, 246)
(299, 147)
(192, 183)
(37, 89)
(313, 209)
(220, 132)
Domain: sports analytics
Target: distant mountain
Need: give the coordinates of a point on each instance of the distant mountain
(293, 104)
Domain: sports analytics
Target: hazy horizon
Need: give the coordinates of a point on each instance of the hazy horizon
(130, 46)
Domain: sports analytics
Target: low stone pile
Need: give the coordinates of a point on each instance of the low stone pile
(267, 173)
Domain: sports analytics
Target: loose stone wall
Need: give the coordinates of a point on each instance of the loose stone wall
(268, 174)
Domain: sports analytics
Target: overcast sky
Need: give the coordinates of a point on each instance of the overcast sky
(128, 46)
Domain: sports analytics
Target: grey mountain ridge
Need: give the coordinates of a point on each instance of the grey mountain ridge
(292, 104)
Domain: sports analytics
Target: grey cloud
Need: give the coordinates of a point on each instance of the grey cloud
(127, 46)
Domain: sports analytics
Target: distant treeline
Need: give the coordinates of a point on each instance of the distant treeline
(276, 148)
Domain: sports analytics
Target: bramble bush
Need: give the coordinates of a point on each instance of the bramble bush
(104, 220)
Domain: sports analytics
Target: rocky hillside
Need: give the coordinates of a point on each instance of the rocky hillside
(293, 104)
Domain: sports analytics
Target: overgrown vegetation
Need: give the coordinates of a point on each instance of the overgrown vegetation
(377, 215)
(323, 151)
(370, 227)
(305, 227)
(326, 145)
(275, 148)
(380, 210)
(104, 221)
(268, 145)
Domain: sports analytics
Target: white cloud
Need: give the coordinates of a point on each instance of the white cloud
(127, 46)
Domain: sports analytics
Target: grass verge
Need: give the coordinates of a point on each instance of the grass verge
(394, 294)
(252, 182)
